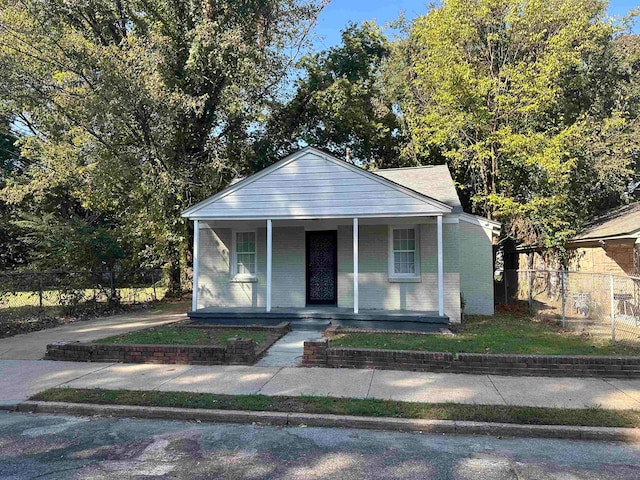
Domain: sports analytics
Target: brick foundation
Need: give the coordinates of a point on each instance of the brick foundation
(319, 354)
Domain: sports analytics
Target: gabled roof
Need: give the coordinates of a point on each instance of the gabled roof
(434, 181)
(313, 184)
(623, 222)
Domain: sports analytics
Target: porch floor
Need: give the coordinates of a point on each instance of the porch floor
(323, 315)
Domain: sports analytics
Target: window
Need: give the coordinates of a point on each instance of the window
(404, 255)
(244, 261)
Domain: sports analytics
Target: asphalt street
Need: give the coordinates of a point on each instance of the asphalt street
(62, 447)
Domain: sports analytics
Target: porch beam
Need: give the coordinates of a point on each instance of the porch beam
(440, 270)
(196, 262)
(355, 266)
(269, 257)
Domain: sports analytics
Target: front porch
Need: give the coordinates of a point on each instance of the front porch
(341, 270)
(313, 317)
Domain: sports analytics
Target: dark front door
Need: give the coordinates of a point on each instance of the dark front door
(322, 267)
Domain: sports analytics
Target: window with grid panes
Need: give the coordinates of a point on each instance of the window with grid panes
(404, 252)
(245, 254)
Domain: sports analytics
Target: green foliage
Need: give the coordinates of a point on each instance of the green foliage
(522, 99)
(139, 109)
(9, 154)
(339, 104)
(130, 111)
(77, 243)
(13, 251)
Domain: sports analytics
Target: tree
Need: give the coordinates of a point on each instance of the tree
(139, 109)
(514, 96)
(339, 103)
(13, 252)
(9, 154)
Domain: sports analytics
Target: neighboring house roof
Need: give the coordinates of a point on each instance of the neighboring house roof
(313, 184)
(434, 181)
(623, 222)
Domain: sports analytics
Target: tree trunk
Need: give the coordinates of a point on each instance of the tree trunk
(114, 297)
(174, 289)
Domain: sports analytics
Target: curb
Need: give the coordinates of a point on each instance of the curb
(609, 434)
(9, 405)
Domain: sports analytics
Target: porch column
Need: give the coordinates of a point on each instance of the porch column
(196, 261)
(269, 254)
(440, 270)
(355, 265)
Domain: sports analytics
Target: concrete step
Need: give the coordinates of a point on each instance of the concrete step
(310, 324)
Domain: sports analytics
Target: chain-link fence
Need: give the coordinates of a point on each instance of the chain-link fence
(38, 295)
(600, 305)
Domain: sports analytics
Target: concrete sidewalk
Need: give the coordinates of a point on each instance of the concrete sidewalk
(21, 379)
(287, 352)
(33, 345)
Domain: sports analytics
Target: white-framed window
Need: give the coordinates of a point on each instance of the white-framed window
(244, 263)
(404, 252)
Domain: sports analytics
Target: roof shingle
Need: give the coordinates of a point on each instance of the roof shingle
(433, 181)
(618, 222)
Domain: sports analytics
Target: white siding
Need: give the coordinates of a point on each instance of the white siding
(288, 280)
(215, 287)
(313, 187)
(375, 289)
(476, 272)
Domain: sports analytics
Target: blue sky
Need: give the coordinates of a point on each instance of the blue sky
(336, 15)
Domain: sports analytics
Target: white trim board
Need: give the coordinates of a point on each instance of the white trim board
(403, 277)
(233, 261)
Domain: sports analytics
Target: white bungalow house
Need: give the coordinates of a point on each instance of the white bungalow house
(313, 236)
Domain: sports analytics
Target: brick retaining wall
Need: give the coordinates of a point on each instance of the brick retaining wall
(319, 354)
(236, 352)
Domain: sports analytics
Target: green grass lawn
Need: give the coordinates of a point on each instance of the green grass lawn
(502, 333)
(350, 406)
(183, 336)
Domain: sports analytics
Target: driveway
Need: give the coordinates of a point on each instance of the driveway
(33, 345)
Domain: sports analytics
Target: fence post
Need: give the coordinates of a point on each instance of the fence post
(613, 317)
(530, 288)
(40, 302)
(564, 298)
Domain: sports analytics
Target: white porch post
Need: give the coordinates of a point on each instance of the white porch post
(355, 265)
(196, 261)
(269, 256)
(440, 270)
